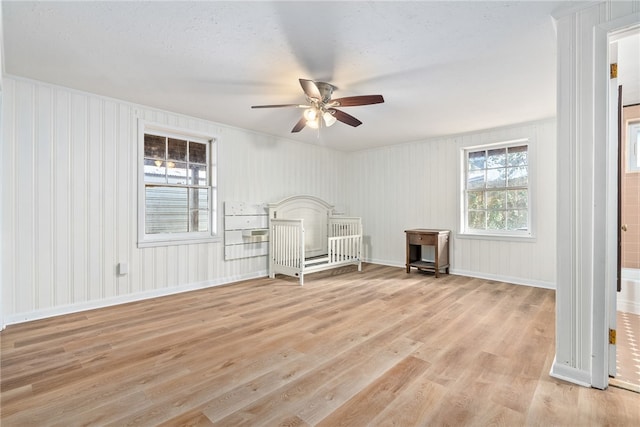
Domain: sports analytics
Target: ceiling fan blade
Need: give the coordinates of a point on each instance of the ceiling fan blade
(310, 89)
(352, 101)
(300, 125)
(345, 118)
(280, 106)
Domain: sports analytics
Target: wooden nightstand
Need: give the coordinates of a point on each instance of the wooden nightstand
(420, 237)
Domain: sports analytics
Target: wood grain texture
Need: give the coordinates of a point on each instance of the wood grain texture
(380, 347)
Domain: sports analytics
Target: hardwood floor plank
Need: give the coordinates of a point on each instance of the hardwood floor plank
(371, 365)
(373, 399)
(377, 347)
(554, 403)
(339, 380)
(415, 405)
(189, 419)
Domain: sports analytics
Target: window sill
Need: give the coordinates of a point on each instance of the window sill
(497, 237)
(177, 242)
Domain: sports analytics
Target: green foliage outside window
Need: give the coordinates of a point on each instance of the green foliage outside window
(497, 189)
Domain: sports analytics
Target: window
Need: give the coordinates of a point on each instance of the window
(496, 193)
(177, 192)
(633, 147)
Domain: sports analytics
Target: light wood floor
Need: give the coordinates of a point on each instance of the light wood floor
(628, 351)
(380, 347)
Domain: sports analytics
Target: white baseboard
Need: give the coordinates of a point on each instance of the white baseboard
(570, 374)
(108, 302)
(628, 306)
(384, 262)
(506, 279)
(480, 275)
(92, 305)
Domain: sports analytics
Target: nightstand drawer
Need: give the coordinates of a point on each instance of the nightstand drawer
(422, 239)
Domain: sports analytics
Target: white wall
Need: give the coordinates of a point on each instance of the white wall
(416, 185)
(69, 197)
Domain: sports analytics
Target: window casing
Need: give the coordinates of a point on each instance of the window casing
(496, 190)
(177, 191)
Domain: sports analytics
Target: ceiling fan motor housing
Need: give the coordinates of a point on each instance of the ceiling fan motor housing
(326, 90)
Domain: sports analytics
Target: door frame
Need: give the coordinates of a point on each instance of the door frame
(604, 294)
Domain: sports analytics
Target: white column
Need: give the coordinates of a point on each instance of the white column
(582, 258)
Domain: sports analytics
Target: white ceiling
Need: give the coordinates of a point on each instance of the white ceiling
(629, 66)
(442, 67)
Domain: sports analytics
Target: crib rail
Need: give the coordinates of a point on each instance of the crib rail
(344, 248)
(287, 253)
(344, 226)
(286, 246)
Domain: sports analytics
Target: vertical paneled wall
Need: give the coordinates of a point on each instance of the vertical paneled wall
(69, 198)
(586, 187)
(417, 185)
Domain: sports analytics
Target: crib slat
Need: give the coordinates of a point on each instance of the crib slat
(288, 251)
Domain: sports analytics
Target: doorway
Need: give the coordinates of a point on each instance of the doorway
(628, 295)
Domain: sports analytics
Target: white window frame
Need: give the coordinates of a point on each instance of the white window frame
(170, 239)
(515, 235)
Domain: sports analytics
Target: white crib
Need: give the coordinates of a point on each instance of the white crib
(305, 237)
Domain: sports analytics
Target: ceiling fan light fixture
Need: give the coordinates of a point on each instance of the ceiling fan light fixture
(310, 114)
(314, 124)
(329, 119)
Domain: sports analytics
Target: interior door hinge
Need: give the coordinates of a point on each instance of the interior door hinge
(612, 336)
(613, 71)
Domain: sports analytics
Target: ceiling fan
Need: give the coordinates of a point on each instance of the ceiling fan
(321, 109)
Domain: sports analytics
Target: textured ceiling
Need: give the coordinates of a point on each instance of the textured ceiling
(442, 67)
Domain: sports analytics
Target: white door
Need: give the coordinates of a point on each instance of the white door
(615, 103)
